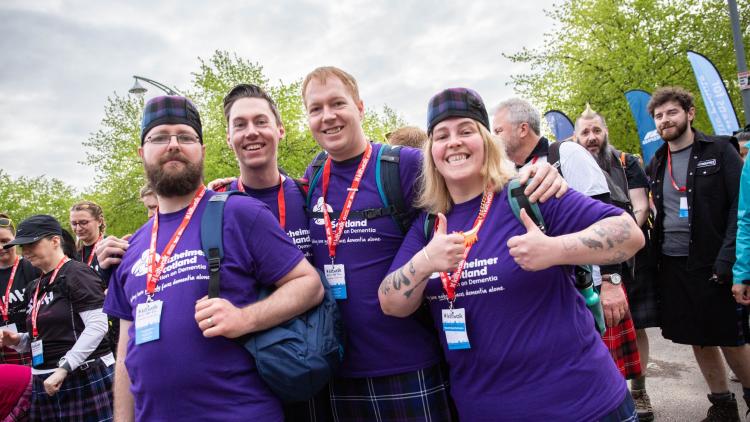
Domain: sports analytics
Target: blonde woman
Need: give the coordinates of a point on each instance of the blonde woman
(518, 338)
(87, 222)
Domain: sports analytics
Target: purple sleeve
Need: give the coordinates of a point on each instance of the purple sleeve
(115, 301)
(413, 242)
(272, 251)
(574, 212)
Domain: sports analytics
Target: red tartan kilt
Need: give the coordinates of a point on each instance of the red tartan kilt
(622, 345)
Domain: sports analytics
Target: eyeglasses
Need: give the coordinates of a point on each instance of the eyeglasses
(164, 139)
(79, 223)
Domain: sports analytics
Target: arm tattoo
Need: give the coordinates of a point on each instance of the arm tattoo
(569, 244)
(396, 279)
(592, 243)
(399, 279)
(412, 271)
(409, 292)
(617, 258)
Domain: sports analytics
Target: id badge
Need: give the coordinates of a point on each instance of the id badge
(10, 327)
(454, 326)
(37, 353)
(147, 320)
(337, 279)
(683, 207)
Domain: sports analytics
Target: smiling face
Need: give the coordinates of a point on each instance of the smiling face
(672, 121)
(253, 133)
(458, 153)
(335, 118)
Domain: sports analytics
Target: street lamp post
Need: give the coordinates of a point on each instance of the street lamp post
(139, 89)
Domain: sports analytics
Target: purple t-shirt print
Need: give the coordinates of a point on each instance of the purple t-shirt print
(535, 354)
(376, 344)
(296, 218)
(183, 376)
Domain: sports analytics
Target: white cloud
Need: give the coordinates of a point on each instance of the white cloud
(63, 58)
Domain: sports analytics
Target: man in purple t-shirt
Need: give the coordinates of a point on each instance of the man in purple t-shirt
(176, 357)
(392, 368)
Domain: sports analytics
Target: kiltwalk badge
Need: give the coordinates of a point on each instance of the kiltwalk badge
(147, 321)
(454, 326)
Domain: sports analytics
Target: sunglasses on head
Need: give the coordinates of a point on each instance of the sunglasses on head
(6, 222)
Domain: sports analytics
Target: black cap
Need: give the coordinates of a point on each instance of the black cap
(34, 228)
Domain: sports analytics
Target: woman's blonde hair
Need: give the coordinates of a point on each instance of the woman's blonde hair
(496, 171)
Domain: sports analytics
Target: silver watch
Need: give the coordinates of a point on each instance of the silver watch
(615, 279)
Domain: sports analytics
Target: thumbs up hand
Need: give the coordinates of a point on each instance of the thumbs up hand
(532, 251)
(445, 250)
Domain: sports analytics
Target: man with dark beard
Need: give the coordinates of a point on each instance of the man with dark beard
(695, 182)
(173, 373)
(628, 187)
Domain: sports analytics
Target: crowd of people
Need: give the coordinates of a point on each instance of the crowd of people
(480, 271)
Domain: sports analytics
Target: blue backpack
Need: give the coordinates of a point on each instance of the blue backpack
(297, 358)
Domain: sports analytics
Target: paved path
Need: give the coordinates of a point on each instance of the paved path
(675, 384)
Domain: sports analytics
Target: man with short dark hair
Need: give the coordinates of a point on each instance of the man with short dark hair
(695, 181)
(629, 191)
(159, 289)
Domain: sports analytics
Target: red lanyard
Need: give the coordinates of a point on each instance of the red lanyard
(470, 238)
(533, 160)
(4, 308)
(156, 268)
(93, 249)
(331, 238)
(37, 303)
(669, 166)
(280, 200)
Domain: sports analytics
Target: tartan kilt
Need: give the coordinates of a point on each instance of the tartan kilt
(409, 397)
(622, 345)
(85, 395)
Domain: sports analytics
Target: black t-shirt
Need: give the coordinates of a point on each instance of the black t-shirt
(25, 274)
(85, 253)
(76, 289)
(635, 173)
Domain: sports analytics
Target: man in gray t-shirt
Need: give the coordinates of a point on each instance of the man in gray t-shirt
(676, 225)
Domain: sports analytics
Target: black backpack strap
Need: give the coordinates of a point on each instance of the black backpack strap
(388, 179)
(212, 239)
(518, 201)
(553, 156)
(316, 168)
(429, 226)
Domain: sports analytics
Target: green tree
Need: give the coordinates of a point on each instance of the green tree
(112, 149)
(27, 196)
(599, 49)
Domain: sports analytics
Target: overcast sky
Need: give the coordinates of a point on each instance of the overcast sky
(62, 59)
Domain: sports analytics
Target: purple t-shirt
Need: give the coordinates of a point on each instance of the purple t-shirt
(183, 375)
(376, 344)
(294, 202)
(535, 354)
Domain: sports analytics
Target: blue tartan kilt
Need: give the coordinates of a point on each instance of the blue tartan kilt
(85, 395)
(410, 397)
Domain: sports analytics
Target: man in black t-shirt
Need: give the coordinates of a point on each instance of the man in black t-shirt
(12, 302)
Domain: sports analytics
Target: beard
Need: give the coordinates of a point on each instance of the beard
(681, 128)
(170, 184)
(602, 156)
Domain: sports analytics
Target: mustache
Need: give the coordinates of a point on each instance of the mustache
(174, 156)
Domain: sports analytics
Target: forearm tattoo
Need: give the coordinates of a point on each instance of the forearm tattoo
(398, 279)
(613, 233)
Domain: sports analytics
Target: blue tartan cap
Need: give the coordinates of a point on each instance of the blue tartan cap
(170, 110)
(456, 102)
